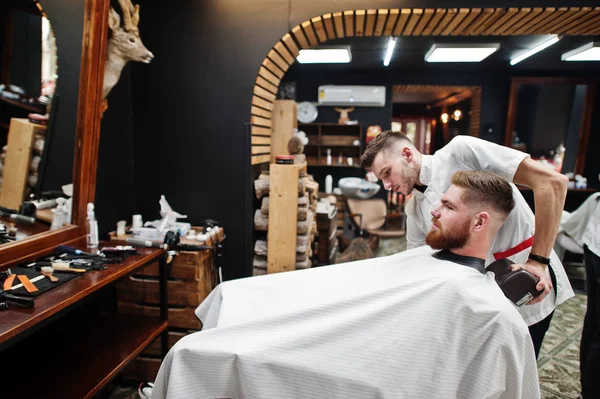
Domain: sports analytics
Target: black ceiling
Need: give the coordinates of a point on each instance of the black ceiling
(409, 53)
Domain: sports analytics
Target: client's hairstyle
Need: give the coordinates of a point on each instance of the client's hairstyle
(485, 188)
(383, 141)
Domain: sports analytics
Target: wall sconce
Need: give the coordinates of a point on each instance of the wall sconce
(444, 117)
(457, 115)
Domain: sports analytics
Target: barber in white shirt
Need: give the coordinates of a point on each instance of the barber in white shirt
(393, 158)
(590, 338)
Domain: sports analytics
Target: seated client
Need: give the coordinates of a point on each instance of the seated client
(425, 323)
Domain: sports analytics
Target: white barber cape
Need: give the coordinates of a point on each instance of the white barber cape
(403, 326)
(514, 239)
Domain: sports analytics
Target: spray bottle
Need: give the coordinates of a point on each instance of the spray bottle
(91, 226)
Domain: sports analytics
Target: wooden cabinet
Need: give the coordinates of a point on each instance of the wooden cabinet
(344, 140)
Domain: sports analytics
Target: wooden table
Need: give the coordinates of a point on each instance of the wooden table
(43, 358)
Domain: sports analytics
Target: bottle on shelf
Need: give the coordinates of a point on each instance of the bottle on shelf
(329, 156)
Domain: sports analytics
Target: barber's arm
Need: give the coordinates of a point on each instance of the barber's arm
(549, 192)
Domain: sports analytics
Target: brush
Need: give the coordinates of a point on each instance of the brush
(64, 267)
(47, 271)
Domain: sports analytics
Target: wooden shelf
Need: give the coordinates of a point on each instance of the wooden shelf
(319, 165)
(15, 321)
(78, 362)
(25, 106)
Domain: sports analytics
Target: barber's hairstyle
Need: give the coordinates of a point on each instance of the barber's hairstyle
(485, 188)
(383, 141)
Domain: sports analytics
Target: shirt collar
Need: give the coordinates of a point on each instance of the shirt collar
(426, 169)
(469, 261)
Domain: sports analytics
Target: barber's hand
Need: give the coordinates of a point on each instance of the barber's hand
(538, 270)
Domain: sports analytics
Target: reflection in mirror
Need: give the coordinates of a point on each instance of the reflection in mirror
(28, 108)
(549, 122)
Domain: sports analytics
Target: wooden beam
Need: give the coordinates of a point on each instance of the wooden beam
(259, 91)
(266, 74)
(412, 21)
(380, 24)
(391, 22)
(268, 64)
(289, 42)
(276, 58)
(261, 131)
(566, 18)
(434, 22)
(328, 21)
(349, 23)
(319, 29)
(404, 15)
(474, 13)
(258, 159)
(339, 24)
(359, 24)
(300, 38)
(283, 51)
(492, 29)
(261, 112)
(370, 24)
(310, 33)
(462, 13)
(259, 102)
(261, 149)
(581, 21)
(530, 26)
(261, 140)
(255, 120)
(450, 14)
(497, 14)
(486, 13)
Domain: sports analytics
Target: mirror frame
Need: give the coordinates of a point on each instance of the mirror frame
(87, 137)
(588, 109)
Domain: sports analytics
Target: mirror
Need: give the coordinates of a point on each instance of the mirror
(30, 202)
(549, 119)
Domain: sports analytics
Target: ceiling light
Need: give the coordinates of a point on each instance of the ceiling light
(444, 117)
(390, 50)
(325, 56)
(589, 52)
(460, 52)
(535, 50)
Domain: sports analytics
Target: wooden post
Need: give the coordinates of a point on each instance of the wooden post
(283, 217)
(285, 119)
(21, 135)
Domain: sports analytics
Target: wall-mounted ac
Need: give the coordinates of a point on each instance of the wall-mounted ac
(357, 96)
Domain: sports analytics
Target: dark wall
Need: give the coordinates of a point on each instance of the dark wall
(26, 52)
(190, 106)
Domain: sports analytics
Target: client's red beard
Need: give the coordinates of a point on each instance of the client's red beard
(456, 238)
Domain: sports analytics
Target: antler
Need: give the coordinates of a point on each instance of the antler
(131, 15)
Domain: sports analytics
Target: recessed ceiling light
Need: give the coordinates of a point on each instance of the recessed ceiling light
(534, 50)
(389, 51)
(338, 55)
(460, 52)
(588, 52)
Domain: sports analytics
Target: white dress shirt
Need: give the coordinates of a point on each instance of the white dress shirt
(403, 326)
(591, 237)
(514, 238)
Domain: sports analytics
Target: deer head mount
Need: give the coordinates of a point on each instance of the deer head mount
(124, 45)
(344, 118)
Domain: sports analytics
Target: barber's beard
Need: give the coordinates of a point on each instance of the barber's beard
(452, 238)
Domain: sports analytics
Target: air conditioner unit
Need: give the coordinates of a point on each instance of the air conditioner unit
(358, 96)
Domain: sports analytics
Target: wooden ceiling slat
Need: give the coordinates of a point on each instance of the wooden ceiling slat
(379, 25)
(573, 19)
(267, 63)
(590, 23)
(259, 102)
(319, 29)
(529, 25)
(501, 21)
(498, 13)
(359, 24)
(412, 21)
(486, 13)
(263, 131)
(261, 112)
(566, 18)
(276, 58)
(462, 13)
(266, 74)
(300, 38)
(259, 91)
(283, 51)
(261, 140)
(261, 149)
(427, 14)
(370, 25)
(402, 19)
(266, 85)
(328, 21)
(255, 120)
(474, 13)
(525, 20)
(577, 23)
(289, 42)
(594, 29)
(349, 23)
(435, 20)
(310, 33)
(261, 159)
(339, 24)
(391, 22)
(553, 18)
(450, 14)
